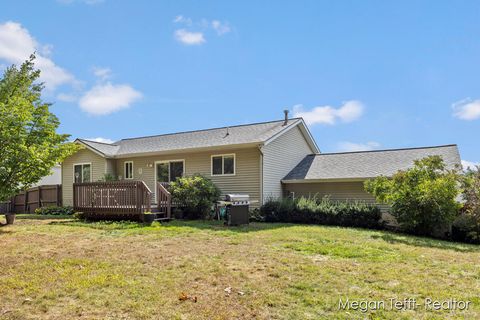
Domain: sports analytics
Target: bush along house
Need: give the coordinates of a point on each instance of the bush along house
(264, 160)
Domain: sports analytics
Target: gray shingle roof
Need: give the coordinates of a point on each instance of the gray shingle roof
(367, 164)
(240, 134)
(109, 150)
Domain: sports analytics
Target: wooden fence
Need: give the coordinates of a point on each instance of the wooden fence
(33, 198)
(112, 197)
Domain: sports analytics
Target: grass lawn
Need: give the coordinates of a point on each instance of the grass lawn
(64, 269)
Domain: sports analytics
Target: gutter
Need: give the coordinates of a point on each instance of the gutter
(325, 180)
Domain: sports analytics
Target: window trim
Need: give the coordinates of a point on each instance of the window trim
(125, 170)
(82, 164)
(223, 174)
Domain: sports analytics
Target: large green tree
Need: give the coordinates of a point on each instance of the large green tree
(471, 209)
(423, 198)
(29, 143)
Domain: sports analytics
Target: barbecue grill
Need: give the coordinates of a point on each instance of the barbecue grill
(236, 208)
(238, 199)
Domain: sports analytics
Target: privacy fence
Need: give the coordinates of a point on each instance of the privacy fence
(33, 198)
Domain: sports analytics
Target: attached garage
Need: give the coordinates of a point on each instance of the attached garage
(340, 176)
(336, 190)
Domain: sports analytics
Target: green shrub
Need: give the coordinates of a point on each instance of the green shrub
(277, 210)
(466, 227)
(255, 215)
(108, 177)
(79, 216)
(195, 195)
(423, 199)
(54, 210)
(322, 211)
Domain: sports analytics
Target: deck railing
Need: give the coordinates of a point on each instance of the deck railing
(164, 200)
(112, 197)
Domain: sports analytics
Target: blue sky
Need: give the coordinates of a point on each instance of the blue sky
(364, 74)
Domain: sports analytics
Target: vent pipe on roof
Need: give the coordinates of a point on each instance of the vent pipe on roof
(286, 117)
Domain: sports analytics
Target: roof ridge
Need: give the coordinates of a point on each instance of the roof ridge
(108, 144)
(384, 150)
(210, 129)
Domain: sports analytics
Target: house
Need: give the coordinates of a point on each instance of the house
(249, 159)
(52, 179)
(265, 160)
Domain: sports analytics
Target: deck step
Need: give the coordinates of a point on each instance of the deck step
(163, 219)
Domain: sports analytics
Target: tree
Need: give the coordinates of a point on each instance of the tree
(470, 220)
(29, 143)
(423, 198)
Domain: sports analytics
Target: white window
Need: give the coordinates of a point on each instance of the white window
(128, 169)
(82, 172)
(223, 165)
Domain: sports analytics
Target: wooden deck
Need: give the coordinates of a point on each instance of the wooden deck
(120, 199)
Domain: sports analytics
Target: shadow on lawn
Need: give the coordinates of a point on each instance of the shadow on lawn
(42, 217)
(3, 231)
(196, 224)
(427, 242)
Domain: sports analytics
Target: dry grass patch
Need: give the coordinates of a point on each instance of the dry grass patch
(62, 269)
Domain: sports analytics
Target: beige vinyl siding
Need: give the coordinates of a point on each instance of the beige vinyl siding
(98, 167)
(337, 191)
(280, 157)
(110, 167)
(246, 178)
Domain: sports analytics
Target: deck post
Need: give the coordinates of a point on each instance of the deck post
(75, 205)
(169, 207)
(138, 198)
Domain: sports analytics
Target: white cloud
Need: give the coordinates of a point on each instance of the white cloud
(197, 37)
(467, 109)
(182, 19)
(220, 28)
(46, 50)
(351, 146)
(66, 97)
(189, 38)
(107, 98)
(469, 164)
(102, 73)
(348, 112)
(16, 45)
(100, 139)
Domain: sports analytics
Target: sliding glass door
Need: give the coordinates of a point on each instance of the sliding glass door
(169, 171)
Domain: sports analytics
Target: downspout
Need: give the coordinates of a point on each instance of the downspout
(260, 149)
